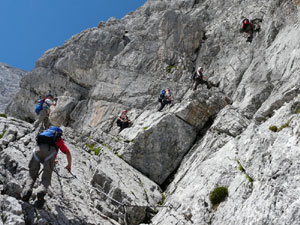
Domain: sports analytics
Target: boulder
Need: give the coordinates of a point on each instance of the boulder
(117, 184)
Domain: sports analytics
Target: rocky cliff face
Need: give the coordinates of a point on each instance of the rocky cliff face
(9, 84)
(209, 138)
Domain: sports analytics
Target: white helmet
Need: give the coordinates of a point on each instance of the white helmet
(48, 102)
(199, 68)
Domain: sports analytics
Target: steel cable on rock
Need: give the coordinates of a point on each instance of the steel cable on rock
(123, 205)
(127, 205)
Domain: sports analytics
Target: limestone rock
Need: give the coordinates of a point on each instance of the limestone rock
(158, 149)
(125, 185)
(60, 114)
(9, 84)
(11, 211)
(206, 139)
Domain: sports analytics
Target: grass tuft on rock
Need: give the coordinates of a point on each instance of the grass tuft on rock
(170, 68)
(119, 155)
(240, 167)
(93, 149)
(218, 195)
(250, 179)
(273, 128)
(285, 124)
(3, 115)
(163, 199)
(2, 134)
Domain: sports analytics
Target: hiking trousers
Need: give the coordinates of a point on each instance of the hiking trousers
(249, 30)
(123, 125)
(43, 120)
(41, 156)
(163, 103)
(201, 81)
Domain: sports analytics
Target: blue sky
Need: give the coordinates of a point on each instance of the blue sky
(31, 27)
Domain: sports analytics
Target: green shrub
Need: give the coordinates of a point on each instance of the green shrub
(117, 154)
(1, 135)
(132, 193)
(249, 178)
(169, 68)
(240, 167)
(218, 195)
(93, 149)
(163, 199)
(285, 124)
(97, 150)
(273, 128)
(140, 182)
(3, 115)
(298, 111)
(145, 128)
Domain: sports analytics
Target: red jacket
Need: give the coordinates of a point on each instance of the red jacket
(62, 146)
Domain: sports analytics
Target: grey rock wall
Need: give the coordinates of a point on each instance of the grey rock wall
(87, 196)
(9, 84)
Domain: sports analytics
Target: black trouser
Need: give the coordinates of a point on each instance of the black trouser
(122, 124)
(163, 102)
(249, 30)
(201, 81)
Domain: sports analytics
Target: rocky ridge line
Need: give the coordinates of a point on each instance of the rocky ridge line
(9, 84)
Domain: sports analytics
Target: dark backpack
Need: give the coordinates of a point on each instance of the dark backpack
(119, 122)
(162, 93)
(193, 77)
(49, 136)
(39, 106)
(245, 22)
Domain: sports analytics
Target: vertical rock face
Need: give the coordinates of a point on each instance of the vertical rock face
(9, 84)
(242, 135)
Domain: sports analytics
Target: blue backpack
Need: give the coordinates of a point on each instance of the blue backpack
(49, 136)
(39, 106)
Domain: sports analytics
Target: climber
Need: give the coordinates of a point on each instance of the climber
(48, 143)
(123, 121)
(199, 78)
(164, 98)
(249, 27)
(42, 109)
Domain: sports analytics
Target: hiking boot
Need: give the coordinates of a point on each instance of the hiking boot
(27, 195)
(40, 195)
(39, 203)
